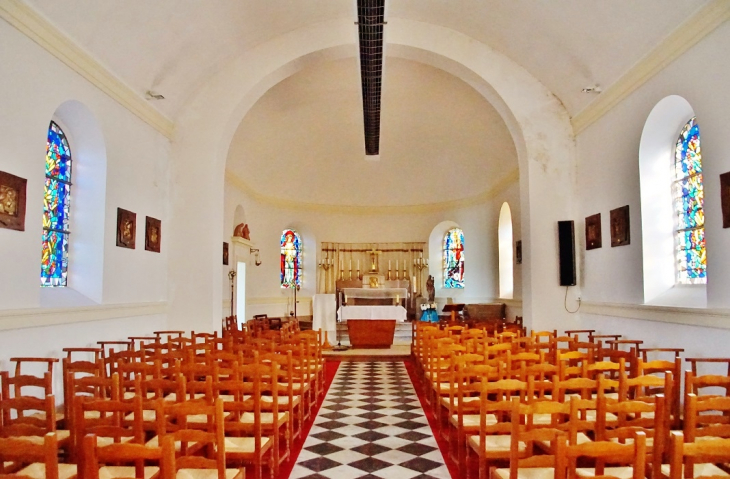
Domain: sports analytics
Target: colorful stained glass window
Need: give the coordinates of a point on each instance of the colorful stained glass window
(688, 196)
(56, 205)
(454, 259)
(291, 259)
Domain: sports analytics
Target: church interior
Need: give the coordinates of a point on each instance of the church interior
(365, 238)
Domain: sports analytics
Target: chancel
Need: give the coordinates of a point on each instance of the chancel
(370, 201)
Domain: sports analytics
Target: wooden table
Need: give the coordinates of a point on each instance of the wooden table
(371, 333)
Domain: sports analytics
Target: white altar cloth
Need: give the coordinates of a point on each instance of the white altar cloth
(323, 315)
(398, 313)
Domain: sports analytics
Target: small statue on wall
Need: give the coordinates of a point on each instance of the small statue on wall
(431, 289)
(242, 231)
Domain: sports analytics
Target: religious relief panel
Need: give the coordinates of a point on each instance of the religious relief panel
(454, 258)
(12, 201)
(291, 259)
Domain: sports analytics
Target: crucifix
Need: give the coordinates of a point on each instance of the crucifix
(373, 255)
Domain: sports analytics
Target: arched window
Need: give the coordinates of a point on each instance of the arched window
(291, 259)
(454, 258)
(56, 208)
(506, 279)
(688, 195)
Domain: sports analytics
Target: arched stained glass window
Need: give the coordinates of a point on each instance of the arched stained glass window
(56, 207)
(291, 259)
(454, 258)
(688, 195)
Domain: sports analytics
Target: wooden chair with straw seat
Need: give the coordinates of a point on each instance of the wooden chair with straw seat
(245, 439)
(96, 458)
(626, 460)
(526, 461)
(655, 366)
(632, 416)
(34, 460)
(696, 459)
(493, 442)
(200, 453)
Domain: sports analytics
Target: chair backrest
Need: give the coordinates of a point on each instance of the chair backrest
(601, 452)
(25, 452)
(683, 455)
(138, 454)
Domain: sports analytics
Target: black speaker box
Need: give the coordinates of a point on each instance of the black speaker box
(566, 247)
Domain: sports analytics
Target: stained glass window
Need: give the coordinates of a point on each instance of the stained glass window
(56, 204)
(291, 259)
(688, 200)
(454, 259)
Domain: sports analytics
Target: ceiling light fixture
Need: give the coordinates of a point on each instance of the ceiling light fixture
(592, 89)
(153, 95)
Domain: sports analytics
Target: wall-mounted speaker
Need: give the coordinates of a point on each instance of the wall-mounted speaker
(566, 247)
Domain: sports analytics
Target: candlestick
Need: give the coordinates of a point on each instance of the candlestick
(414, 284)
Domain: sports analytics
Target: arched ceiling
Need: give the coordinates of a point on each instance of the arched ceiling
(175, 46)
(304, 139)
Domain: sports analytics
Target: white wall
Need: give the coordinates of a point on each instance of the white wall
(267, 222)
(34, 84)
(608, 177)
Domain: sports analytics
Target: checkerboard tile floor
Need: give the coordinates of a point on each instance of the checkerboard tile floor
(370, 426)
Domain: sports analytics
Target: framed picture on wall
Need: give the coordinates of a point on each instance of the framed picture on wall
(593, 231)
(518, 252)
(620, 226)
(225, 253)
(12, 201)
(152, 234)
(126, 228)
(725, 198)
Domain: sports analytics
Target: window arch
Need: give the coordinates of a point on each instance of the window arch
(688, 192)
(291, 259)
(56, 209)
(506, 268)
(453, 256)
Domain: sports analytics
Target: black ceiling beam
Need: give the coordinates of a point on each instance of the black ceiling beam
(370, 16)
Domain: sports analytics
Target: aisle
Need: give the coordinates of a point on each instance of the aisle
(371, 425)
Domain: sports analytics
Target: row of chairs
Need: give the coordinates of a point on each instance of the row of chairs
(471, 377)
(266, 387)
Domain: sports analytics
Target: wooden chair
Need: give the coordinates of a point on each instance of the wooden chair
(619, 421)
(659, 367)
(696, 459)
(601, 453)
(35, 459)
(245, 438)
(138, 454)
(493, 441)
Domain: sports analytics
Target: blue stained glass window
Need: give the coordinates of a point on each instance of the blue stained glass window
(56, 208)
(291, 259)
(688, 194)
(454, 258)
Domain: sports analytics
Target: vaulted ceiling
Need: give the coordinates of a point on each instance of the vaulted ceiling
(175, 46)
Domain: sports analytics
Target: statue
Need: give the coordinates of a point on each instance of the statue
(430, 288)
(242, 231)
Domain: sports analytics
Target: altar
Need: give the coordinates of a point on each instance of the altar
(371, 314)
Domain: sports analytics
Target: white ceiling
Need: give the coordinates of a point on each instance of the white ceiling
(174, 46)
(304, 139)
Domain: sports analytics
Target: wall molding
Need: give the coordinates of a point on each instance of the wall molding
(33, 25)
(508, 180)
(38, 317)
(701, 317)
(684, 37)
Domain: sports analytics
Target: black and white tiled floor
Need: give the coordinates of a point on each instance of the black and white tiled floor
(370, 426)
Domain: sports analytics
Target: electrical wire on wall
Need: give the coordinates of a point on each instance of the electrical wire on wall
(565, 302)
